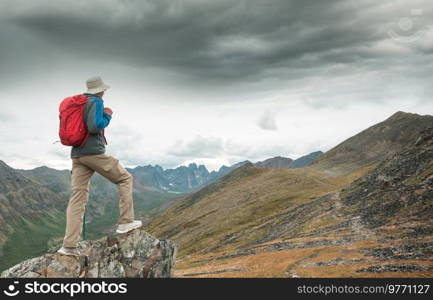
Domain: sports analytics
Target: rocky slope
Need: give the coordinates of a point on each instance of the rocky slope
(371, 221)
(373, 144)
(133, 255)
(395, 201)
(101, 192)
(240, 208)
(23, 199)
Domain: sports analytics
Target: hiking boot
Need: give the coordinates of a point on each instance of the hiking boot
(124, 228)
(69, 251)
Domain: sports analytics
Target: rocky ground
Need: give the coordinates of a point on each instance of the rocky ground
(135, 254)
(378, 226)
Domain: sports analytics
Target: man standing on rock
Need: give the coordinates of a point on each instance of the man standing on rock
(89, 158)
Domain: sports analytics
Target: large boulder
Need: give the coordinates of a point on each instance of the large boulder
(136, 254)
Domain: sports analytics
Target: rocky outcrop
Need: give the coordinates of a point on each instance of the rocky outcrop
(136, 254)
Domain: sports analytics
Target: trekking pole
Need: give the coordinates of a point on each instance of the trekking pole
(84, 227)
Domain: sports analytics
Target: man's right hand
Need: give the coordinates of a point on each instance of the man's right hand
(108, 110)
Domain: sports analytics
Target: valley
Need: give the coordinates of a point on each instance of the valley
(362, 209)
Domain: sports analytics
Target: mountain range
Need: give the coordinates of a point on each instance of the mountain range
(185, 179)
(363, 209)
(33, 205)
(33, 202)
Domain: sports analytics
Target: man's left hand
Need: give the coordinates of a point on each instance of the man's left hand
(108, 110)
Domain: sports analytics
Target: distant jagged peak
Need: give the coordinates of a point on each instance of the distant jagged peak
(192, 166)
(202, 168)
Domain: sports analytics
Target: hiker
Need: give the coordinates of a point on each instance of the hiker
(89, 157)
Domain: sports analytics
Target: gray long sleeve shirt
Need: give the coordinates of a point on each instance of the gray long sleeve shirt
(96, 121)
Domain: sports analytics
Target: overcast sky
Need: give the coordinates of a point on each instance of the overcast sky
(211, 82)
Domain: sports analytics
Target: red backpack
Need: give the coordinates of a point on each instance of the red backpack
(73, 130)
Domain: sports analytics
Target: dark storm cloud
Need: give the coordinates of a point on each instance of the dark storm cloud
(224, 40)
(330, 50)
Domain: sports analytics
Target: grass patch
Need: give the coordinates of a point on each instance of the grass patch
(32, 238)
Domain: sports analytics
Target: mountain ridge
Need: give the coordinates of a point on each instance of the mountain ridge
(373, 144)
(308, 223)
(33, 206)
(327, 219)
(182, 179)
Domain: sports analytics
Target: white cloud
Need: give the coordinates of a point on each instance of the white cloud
(267, 121)
(199, 147)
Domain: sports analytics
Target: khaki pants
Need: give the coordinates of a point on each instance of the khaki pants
(82, 170)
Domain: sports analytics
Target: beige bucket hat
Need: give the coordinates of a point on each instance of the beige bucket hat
(96, 85)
